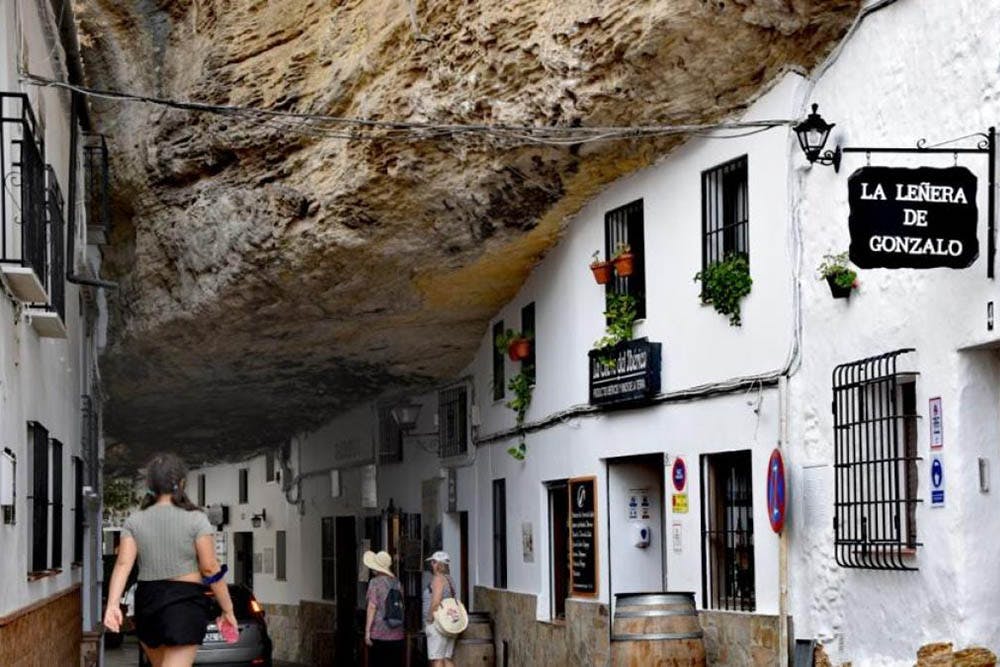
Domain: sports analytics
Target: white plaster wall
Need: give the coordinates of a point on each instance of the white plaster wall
(918, 68)
(40, 379)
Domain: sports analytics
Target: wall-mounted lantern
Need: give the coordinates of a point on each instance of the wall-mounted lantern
(812, 134)
(406, 414)
(257, 520)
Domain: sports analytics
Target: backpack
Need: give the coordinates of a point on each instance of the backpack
(393, 615)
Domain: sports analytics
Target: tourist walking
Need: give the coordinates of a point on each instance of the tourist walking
(175, 547)
(440, 647)
(384, 621)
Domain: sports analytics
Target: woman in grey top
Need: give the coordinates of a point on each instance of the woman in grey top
(175, 547)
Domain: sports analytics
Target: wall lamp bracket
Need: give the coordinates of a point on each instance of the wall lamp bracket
(257, 520)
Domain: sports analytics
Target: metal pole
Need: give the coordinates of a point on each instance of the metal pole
(991, 243)
(783, 536)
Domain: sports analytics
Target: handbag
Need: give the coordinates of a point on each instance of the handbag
(451, 619)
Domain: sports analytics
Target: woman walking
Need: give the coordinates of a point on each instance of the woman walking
(175, 547)
(384, 641)
(440, 647)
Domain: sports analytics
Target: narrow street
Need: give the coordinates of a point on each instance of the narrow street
(127, 655)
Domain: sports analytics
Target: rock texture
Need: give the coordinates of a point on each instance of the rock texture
(273, 274)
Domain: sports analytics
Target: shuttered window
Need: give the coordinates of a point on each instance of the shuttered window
(38, 436)
(57, 504)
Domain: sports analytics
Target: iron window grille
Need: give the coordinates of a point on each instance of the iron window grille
(22, 201)
(728, 572)
(280, 556)
(500, 533)
(453, 422)
(57, 504)
(38, 436)
(390, 440)
(78, 510)
(528, 329)
(244, 483)
(56, 282)
(624, 225)
(725, 219)
(269, 467)
(499, 381)
(875, 463)
(96, 189)
(327, 559)
(201, 490)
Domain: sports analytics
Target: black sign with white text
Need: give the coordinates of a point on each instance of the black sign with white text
(583, 535)
(913, 218)
(626, 373)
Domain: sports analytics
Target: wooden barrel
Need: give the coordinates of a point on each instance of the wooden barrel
(656, 630)
(474, 647)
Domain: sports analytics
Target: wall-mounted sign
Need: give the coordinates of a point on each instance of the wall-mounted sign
(638, 503)
(679, 503)
(626, 373)
(527, 542)
(583, 536)
(913, 218)
(452, 490)
(937, 481)
(937, 422)
(776, 491)
(676, 537)
(678, 474)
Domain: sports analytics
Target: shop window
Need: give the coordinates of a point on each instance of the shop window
(269, 475)
(77, 510)
(499, 533)
(558, 547)
(724, 212)
(453, 421)
(390, 441)
(875, 457)
(727, 532)
(244, 482)
(499, 382)
(624, 226)
(201, 490)
(328, 564)
(528, 329)
(38, 437)
(280, 549)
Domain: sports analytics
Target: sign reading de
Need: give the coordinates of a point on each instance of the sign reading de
(913, 218)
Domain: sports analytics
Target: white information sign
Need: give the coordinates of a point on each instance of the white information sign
(937, 423)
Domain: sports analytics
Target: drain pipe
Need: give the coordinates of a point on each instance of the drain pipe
(783, 536)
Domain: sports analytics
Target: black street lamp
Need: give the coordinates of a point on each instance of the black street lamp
(812, 134)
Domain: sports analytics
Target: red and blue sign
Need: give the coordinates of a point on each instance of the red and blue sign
(776, 491)
(679, 474)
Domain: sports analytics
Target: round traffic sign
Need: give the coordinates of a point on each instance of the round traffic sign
(776, 491)
(679, 474)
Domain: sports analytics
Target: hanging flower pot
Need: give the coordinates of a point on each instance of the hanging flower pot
(837, 290)
(602, 272)
(624, 264)
(519, 349)
(841, 278)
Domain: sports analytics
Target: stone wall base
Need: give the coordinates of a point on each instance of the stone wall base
(303, 632)
(583, 639)
(738, 639)
(48, 633)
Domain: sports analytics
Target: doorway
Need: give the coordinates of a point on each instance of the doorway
(243, 569)
(636, 504)
(345, 539)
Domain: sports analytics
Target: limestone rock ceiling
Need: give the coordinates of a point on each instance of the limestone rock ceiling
(272, 274)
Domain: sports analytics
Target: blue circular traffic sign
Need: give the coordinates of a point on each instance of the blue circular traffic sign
(937, 473)
(776, 491)
(679, 474)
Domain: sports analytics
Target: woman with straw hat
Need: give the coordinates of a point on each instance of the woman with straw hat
(385, 641)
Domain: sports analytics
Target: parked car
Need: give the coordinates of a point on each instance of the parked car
(254, 647)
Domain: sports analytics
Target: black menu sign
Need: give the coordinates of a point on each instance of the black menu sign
(583, 536)
(913, 218)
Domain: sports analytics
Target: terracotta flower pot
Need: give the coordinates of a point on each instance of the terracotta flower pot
(624, 264)
(836, 290)
(602, 272)
(519, 349)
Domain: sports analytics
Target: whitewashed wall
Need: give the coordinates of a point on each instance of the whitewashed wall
(918, 68)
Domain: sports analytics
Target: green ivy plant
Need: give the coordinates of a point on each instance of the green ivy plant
(837, 267)
(521, 387)
(724, 284)
(119, 494)
(620, 313)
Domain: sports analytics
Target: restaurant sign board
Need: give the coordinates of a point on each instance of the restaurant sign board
(913, 218)
(625, 373)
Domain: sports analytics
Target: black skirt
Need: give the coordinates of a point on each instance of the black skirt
(171, 613)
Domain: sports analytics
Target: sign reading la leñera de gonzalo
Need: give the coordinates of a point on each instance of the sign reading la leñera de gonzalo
(626, 373)
(913, 218)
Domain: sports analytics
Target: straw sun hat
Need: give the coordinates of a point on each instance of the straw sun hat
(379, 562)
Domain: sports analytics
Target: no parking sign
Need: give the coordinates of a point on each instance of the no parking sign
(776, 491)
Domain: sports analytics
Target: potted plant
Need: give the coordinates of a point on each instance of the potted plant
(520, 387)
(601, 268)
(724, 284)
(841, 278)
(623, 260)
(516, 344)
(620, 313)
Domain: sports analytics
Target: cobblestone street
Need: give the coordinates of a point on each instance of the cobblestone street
(128, 656)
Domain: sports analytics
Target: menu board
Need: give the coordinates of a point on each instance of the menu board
(583, 536)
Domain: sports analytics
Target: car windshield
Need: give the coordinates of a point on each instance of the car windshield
(241, 602)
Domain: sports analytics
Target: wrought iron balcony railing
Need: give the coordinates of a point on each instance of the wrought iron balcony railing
(56, 283)
(96, 188)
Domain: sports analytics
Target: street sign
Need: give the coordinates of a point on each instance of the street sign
(937, 423)
(679, 503)
(776, 491)
(937, 481)
(679, 474)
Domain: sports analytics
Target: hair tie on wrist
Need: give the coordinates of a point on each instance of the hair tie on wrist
(208, 581)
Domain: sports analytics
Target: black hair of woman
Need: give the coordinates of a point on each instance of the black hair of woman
(167, 474)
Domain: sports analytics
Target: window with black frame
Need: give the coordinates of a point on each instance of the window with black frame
(875, 463)
(327, 559)
(528, 329)
(453, 421)
(500, 533)
(725, 217)
(499, 381)
(727, 532)
(244, 486)
(77, 510)
(201, 490)
(623, 230)
(57, 504)
(390, 437)
(38, 437)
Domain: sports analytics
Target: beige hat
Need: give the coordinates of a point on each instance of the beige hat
(380, 562)
(451, 619)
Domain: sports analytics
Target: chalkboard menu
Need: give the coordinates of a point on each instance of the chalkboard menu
(583, 536)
